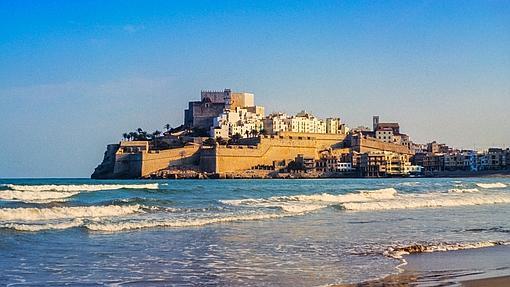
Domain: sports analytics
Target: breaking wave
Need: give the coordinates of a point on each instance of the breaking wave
(307, 203)
(429, 200)
(463, 190)
(398, 252)
(142, 224)
(38, 214)
(35, 196)
(491, 185)
(113, 224)
(382, 199)
(80, 187)
(43, 226)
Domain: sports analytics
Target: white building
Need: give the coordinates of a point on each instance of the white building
(304, 122)
(238, 121)
(275, 123)
(385, 135)
(344, 167)
(413, 169)
(335, 126)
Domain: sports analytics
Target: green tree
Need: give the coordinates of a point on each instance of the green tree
(221, 141)
(155, 136)
(209, 142)
(236, 138)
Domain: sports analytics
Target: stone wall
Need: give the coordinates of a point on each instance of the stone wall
(367, 144)
(154, 161)
(284, 147)
(141, 164)
(127, 165)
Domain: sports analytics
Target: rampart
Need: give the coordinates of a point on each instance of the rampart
(366, 144)
(133, 160)
(143, 163)
(269, 150)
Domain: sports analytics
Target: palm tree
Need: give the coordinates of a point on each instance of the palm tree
(125, 136)
(155, 136)
(143, 135)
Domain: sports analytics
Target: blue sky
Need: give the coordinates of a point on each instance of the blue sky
(75, 75)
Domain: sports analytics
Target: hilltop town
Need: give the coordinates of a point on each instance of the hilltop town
(225, 135)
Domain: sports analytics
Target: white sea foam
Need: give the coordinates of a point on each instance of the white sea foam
(312, 202)
(35, 196)
(491, 185)
(38, 214)
(412, 184)
(463, 190)
(40, 226)
(429, 200)
(398, 251)
(80, 187)
(112, 226)
(382, 199)
(323, 199)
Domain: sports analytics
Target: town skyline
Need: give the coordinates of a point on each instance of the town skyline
(75, 75)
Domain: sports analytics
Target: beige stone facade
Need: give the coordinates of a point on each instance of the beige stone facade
(269, 151)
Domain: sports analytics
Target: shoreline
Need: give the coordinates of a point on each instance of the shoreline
(478, 267)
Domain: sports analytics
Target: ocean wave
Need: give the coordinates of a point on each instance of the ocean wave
(39, 214)
(410, 184)
(398, 251)
(382, 199)
(429, 200)
(80, 187)
(41, 226)
(321, 200)
(112, 226)
(139, 200)
(35, 196)
(491, 185)
(463, 190)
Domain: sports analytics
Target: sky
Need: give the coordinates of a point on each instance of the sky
(75, 75)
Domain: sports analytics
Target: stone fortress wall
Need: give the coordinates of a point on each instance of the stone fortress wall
(363, 144)
(269, 149)
(265, 150)
(120, 163)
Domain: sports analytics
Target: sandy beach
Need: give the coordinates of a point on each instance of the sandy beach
(481, 267)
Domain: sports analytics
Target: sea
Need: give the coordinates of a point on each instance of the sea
(82, 232)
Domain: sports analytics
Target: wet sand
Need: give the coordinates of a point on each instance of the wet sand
(503, 281)
(480, 267)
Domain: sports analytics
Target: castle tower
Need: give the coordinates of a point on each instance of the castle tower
(375, 122)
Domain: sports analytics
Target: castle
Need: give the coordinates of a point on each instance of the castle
(225, 132)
